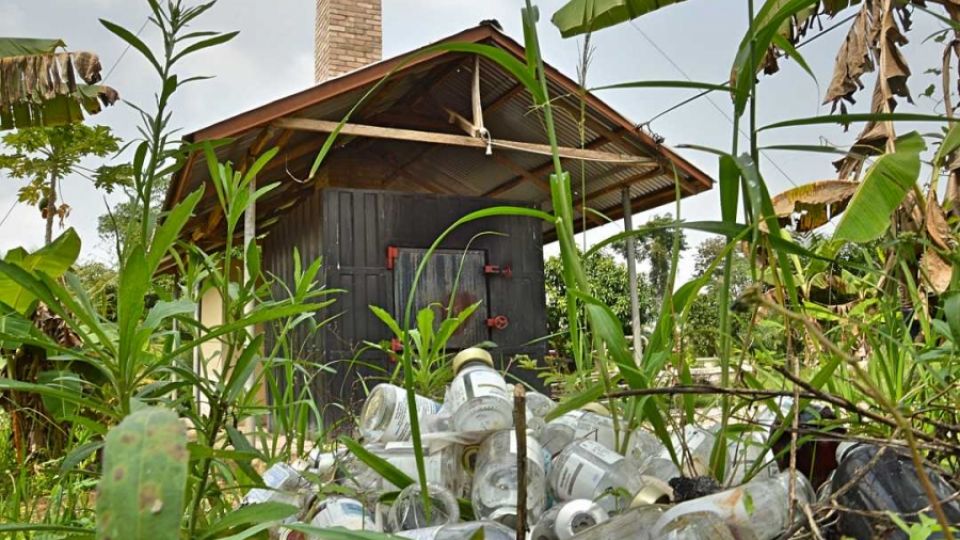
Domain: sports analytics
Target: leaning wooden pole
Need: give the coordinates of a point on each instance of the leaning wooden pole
(632, 276)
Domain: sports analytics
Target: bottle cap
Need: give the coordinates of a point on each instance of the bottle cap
(472, 354)
(596, 408)
(654, 491)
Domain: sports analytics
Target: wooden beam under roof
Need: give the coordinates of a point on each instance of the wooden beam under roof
(537, 171)
(359, 130)
(541, 184)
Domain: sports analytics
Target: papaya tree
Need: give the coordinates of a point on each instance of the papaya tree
(44, 156)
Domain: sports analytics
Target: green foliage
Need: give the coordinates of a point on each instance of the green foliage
(610, 285)
(584, 16)
(44, 156)
(656, 247)
(141, 490)
(51, 260)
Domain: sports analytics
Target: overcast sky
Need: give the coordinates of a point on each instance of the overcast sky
(273, 57)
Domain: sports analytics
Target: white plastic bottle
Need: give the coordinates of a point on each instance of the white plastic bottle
(566, 520)
(385, 416)
(495, 481)
(589, 470)
(461, 531)
(342, 512)
(757, 509)
(407, 512)
(477, 399)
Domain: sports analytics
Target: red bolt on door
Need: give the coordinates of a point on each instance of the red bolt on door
(500, 322)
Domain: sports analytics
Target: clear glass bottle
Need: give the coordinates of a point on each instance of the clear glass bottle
(538, 406)
(698, 526)
(589, 470)
(461, 531)
(495, 481)
(283, 484)
(408, 513)
(385, 416)
(442, 467)
(694, 446)
(757, 509)
(633, 524)
(477, 399)
(565, 520)
(580, 424)
(648, 452)
(342, 512)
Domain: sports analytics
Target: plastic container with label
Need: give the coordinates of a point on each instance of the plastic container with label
(385, 416)
(495, 481)
(757, 509)
(566, 520)
(588, 470)
(477, 398)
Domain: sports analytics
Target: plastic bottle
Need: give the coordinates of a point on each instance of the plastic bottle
(757, 509)
(633, 524)
(695, 447)
(477, 399)
(385, 416)
(565, 520)
(538, 406)
(408, 513)
(461, 531)
(888, 483)
(588, 470)
(342, 512)
(580, 424)
(495, 481)
(744, 454)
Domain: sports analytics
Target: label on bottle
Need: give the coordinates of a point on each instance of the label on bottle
(399, 427)
(347, 513)
(281, 476)
(475, 384)
(579, 478)
(601, 452)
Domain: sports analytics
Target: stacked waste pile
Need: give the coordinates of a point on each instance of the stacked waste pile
(579, 482)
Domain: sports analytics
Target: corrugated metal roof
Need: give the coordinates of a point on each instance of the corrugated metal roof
(414, 97)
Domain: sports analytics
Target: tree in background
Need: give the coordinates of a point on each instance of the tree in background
(610, 284)
(703, 321)
(44, 156)
(123, 220)
(656, 247)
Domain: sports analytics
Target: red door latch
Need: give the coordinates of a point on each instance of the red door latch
(494, 270)
(500, 322)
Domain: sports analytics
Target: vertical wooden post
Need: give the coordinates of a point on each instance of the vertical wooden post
(632, 276)
(520, 432)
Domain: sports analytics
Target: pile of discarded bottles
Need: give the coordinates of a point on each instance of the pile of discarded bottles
(585, 479)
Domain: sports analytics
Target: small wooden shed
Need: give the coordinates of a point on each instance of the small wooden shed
(407, 165)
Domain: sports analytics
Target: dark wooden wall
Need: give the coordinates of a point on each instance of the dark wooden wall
(351, 229)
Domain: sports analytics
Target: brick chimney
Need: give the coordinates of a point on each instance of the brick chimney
(347, 36)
